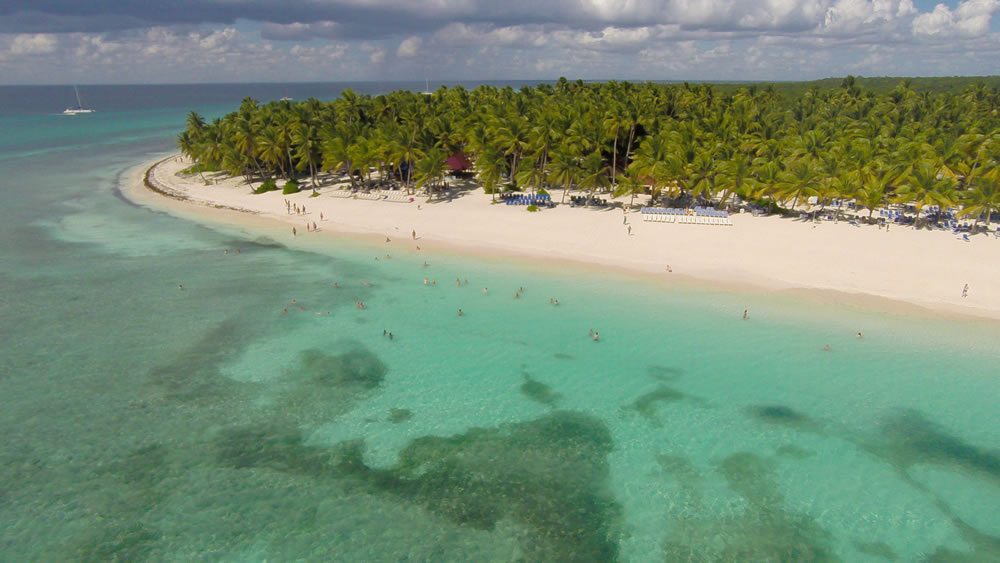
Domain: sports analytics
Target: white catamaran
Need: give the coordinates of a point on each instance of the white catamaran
(78, 108)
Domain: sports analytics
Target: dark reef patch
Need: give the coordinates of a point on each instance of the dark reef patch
(763, 531)
(646, 404)
(326, 385)
(144, 467)
(663, 373)
(357, 369)
(876, 549)
(124, 542)
(193, 376)
(398, 416)
(784, 416)
(539, 392)
(792, 452)
(908, 438)
(548, 475)
(562, 356)
(686, 475)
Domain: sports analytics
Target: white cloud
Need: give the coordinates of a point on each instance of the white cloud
(409, 47)
(634, 39)
(33, 44)
(970, 19)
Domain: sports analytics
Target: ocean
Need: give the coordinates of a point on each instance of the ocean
(141, 422)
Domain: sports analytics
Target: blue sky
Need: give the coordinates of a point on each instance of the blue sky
(140, 41)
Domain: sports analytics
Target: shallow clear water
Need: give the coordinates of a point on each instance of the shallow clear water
(143, 422)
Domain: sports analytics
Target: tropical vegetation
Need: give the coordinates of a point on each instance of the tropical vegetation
(674, 141)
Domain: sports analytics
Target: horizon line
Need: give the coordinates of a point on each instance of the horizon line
(482, 80)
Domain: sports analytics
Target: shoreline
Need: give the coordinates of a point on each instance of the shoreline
(906, 271)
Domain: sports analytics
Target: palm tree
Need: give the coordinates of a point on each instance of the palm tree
(595, 173)
(513, 137)
(651, 161)
(530, 175)
(306, 140)
(564, 170)
(491, 166)
(737, 173)
(983, 201)
(629, 184)
(407, 152)
(431, 168)
(271, 149)
(924, 186)
(798, 182)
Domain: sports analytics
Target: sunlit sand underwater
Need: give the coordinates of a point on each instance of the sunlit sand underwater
(141, 421)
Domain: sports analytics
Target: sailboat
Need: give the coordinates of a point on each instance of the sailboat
(78, 108)
(427, 88)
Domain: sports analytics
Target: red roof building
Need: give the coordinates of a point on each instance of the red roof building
(458, 162)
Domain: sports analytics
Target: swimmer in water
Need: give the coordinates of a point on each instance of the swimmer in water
(484, 291)
(859, 334)
(746, 315)
(336, 285)
(460, 312)
(826, 348)
(180, 288)
(597, 336)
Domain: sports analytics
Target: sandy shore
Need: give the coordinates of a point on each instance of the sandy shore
(919, 267)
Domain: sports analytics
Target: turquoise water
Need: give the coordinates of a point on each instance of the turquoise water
(143, 422)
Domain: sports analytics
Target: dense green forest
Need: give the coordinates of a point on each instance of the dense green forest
(922, 142)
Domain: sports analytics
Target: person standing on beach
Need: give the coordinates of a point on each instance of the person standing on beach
(965, 291)
(414, 234)
(294, 232)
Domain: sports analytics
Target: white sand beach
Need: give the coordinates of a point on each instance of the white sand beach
(919, 267)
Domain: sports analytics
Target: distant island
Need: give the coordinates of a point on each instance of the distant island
(934, 153)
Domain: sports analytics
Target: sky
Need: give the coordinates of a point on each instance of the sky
(193, 41)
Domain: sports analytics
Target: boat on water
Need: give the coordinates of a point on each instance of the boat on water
(78, 108)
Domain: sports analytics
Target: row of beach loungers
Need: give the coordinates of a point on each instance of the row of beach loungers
(541, 200)
(375, 195)
(696, 216)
